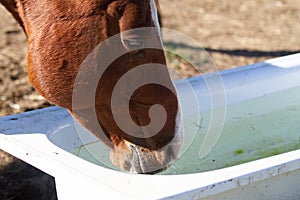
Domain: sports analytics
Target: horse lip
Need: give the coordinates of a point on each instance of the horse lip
(136, 163)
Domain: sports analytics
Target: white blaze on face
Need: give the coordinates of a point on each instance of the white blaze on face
(155, 16)
(179, 128)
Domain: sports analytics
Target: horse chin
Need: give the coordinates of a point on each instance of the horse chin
(140, 160)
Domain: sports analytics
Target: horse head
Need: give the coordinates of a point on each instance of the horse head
(61, 36)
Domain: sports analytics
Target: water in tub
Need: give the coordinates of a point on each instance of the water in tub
(253, 129)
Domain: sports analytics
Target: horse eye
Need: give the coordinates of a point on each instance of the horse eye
(132, 44)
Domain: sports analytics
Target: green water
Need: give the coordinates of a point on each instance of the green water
(253, 129)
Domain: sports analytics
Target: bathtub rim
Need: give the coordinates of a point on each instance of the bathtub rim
(199, 184)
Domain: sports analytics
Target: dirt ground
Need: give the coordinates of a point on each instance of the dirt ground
(234, 33)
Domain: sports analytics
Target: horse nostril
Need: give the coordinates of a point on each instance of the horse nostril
(131, 146)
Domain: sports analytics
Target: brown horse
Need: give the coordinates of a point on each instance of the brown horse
(62, 33)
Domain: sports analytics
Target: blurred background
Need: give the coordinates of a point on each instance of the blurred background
(234, 33)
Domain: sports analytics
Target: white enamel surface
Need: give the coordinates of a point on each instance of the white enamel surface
(25, 136)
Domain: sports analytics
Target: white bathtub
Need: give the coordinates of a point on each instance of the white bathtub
(255, 156)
